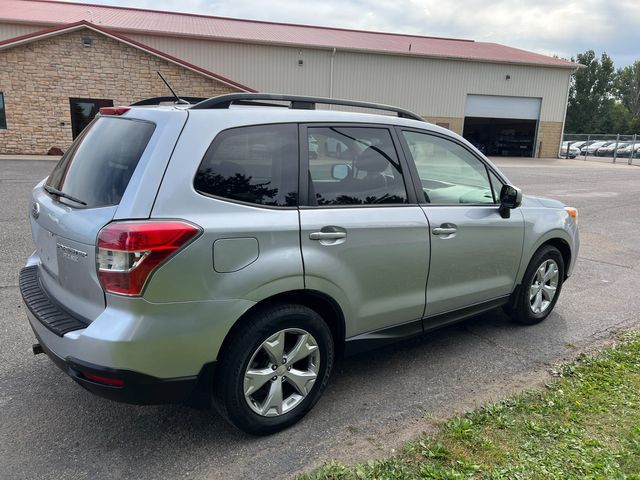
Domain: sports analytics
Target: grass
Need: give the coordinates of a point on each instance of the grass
(585, 425)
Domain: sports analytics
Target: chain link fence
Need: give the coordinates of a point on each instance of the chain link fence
(614, 148)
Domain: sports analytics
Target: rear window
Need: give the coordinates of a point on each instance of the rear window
(257, 164)
(98, 166)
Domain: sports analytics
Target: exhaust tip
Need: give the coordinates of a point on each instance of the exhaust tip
(37, 349)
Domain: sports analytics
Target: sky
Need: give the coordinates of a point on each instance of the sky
(551, 27)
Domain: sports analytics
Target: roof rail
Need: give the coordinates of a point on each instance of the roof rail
(159, 100)
(297, 102)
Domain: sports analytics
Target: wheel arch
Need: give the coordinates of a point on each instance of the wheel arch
(557, 237)
(553, 240)
(564, 248)
(321, 303)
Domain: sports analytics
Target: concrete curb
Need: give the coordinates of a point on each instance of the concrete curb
(54, 158)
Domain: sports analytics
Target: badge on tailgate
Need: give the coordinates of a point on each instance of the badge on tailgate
(71, 253)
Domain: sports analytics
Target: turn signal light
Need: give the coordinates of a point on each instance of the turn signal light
(573, 213)
(129, 252)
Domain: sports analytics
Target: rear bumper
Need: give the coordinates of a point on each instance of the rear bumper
(159, 340)
(150, 365)
(133, 387)
(137, 388)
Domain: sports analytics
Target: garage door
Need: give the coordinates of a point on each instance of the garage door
(500, 125)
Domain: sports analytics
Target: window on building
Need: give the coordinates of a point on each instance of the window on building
(353, 166)
(3, 116)
(83, 110)
(257, 164)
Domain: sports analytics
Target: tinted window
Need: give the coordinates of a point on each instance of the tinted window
(449, 173)
(3, 117)
(252, 164)
(98, 166)
(353, 166)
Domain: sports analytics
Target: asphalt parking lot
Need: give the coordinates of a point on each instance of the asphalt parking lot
(51, 428)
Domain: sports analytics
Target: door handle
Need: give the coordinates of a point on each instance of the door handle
(444, 230)
(327, 235)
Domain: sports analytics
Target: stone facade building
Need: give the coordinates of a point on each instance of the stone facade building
(44, 80)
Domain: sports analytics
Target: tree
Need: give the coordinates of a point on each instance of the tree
(614, 117)
(627, 87)
(591, 88)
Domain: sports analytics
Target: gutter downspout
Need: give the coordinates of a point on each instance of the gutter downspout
(333, 56)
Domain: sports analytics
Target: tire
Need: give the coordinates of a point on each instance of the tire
(256, 414)
(523, 310)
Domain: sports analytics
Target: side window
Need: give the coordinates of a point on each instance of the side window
(353, 166)
(496, 184)
(257, 164)
(449, 174)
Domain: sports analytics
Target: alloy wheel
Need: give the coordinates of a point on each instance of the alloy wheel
(281, 372)
(543, 287)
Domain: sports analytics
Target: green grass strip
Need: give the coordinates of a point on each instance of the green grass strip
(585, 425)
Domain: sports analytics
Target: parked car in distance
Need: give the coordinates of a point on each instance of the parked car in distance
(573, 151)
(593, 148)
(228, 254)
(626, 152)
(609, 150)
(577, 144)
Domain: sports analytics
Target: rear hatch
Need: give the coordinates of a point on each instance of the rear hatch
(83, 194)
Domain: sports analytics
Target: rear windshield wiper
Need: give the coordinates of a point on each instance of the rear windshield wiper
(58, 193)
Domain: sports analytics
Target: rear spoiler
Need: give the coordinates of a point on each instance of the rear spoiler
(159, 100)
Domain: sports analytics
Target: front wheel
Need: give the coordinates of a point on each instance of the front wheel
(274, 369)
(540, 287)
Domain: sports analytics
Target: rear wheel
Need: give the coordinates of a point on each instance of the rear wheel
(274, 369)
(540, 287)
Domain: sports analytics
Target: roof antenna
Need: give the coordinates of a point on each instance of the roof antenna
(178, 99)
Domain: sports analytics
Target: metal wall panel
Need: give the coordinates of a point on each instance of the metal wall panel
(439, 88)
(265, 68)
(430, 87)
(8, 30)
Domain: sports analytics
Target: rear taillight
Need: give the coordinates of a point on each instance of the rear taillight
(129, 252)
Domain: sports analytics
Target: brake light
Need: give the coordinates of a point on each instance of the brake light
(112, 382)
(129, 252)
(114, 110)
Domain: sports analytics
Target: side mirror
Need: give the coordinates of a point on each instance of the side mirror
(510, 198)
(340, 171)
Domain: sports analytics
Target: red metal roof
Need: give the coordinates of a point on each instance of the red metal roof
(132, 20)
(48, 32)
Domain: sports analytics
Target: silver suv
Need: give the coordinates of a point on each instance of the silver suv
(231, 250)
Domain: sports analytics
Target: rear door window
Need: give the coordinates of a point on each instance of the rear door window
(98, 166)
(257, 164)
(353, 166)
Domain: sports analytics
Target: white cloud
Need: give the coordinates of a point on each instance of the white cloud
(546, 26)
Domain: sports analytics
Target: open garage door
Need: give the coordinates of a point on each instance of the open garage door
(502, 126)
